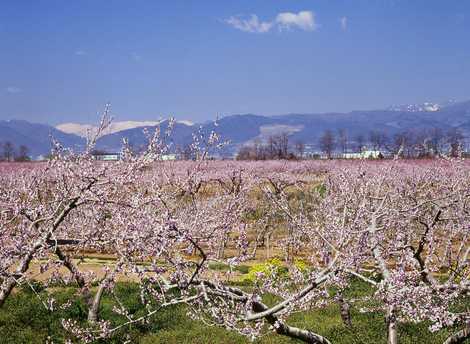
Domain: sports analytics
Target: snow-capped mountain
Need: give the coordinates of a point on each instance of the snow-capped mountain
(75, 128)
(424, 107)
(115, 127)
(36, 137)
(242, 129)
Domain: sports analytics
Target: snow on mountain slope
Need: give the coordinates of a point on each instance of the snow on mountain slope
(82, 129)
(75, 128)
(427, 106)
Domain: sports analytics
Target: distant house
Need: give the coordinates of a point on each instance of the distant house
(167, 157)
(367, 154)
(107, 156)
(41, 158)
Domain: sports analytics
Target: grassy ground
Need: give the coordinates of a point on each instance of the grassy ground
(24, 320)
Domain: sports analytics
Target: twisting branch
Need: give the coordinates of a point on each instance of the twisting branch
(260, 308)
(280, 306)
(9, 283)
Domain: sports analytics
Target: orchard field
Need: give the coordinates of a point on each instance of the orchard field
(202, 251)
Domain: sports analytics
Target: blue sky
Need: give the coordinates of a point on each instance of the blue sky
(61, 61)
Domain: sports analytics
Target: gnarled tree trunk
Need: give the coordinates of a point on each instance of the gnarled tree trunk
(10, 282)
(460, 336)
(93, 312)
(391, 328)
(345, 311)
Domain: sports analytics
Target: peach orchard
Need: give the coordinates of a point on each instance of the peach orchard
(402, 227)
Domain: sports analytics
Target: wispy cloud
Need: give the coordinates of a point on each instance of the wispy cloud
(304, 20)
(13, 89)
(343, 21)
(80, 52)
(250, 24)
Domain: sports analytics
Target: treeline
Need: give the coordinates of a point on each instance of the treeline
(413, 143)
(8, 152)
(276, 147)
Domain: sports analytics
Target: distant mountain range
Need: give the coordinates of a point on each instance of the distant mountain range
(83, 129)
(37, 137)
(242, 129)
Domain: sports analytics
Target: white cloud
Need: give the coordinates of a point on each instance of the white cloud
(80, 52)
(344, 23)
(304, 20)
(13, 89)
(250, 24)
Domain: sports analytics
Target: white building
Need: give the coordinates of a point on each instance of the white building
(167, 157)
(108, 157)
(367, 154)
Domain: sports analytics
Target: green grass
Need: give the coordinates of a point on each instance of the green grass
(24, 320)
(216, 266)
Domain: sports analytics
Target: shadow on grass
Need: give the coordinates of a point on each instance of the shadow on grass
(23, 319)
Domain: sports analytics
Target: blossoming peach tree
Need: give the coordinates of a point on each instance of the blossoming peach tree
(403, 229)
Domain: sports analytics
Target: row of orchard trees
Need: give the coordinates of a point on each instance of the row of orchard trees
(416, 143)
(275, 147)
(419, 143)
(402, 229)
(8, 152)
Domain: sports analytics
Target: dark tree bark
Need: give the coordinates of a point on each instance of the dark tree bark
(345, 311)
(459, 337)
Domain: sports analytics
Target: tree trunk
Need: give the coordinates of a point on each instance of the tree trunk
(221, 250)
(459, 337)
(345, 311)
(10, 282)
(268, 246)
(281, 328)
(392, 328)
(95, 306)
(290, 331)
(67, 261)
